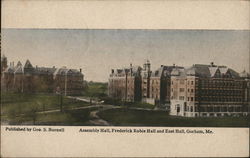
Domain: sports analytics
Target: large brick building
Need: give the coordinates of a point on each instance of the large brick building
(201, 90)
(160, 85)
(209, 90)
(30, 79)
(141, 84)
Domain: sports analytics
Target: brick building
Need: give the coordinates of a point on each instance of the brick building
(125, 84)
(30, 79)
(160, 85)
(208, 90)
(201, 90)
(154, 88)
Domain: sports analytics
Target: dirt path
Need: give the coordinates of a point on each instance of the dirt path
(96, 120)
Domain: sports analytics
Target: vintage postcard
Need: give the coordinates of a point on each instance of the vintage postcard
(125, 78)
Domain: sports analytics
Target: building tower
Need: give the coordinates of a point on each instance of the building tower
(146, 73)
(146, 66)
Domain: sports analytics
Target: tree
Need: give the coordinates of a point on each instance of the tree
(32, 114)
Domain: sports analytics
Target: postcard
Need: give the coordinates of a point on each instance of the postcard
(125, 78)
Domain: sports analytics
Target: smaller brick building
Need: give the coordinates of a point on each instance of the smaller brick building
(125, 84)
(160, 85)
(30, 79)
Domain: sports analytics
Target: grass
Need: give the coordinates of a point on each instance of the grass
(132, 117)
(140, 105)
(67, 118)
(118, 102)
(14, 104)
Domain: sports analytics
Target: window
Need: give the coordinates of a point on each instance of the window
(196, 109)
(192, 82)
(188, 98)
(181, 97)
(188, 90)
(192, 98)
(181, 81)
(181, 89)
(192, 90)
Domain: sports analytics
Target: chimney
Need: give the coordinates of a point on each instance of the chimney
(212, 63)
(80, 70)
(112, 71)
(174, 65)
(161, 65)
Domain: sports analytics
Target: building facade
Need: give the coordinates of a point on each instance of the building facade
(208, 90)
(125, 84)
(198, 91)
(160, 85)
(30, 79)
(141, 84)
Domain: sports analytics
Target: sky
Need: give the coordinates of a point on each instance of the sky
(96, 52)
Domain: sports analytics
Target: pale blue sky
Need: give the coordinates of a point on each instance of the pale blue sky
(98, 51)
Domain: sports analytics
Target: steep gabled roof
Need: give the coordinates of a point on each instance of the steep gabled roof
(19, 64)
(18, 68)
(28, 64)
(211, 71)
(233, 73)
(223, 69)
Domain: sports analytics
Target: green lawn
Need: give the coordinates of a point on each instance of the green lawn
(66, 118)
(118, 102)
(15, 104)
(131, 117)
(140, 105)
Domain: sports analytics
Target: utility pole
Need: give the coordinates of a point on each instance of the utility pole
(61, 102)
(60, 97)
(65, 86)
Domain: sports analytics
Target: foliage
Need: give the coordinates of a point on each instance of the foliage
(96, 89)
